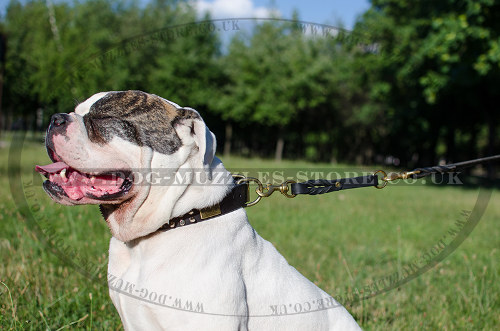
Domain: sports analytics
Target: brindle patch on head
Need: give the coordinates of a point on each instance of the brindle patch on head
(141, 118)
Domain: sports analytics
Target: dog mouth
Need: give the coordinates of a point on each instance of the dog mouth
(65, 181)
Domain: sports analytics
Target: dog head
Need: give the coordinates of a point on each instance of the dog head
(110, 140)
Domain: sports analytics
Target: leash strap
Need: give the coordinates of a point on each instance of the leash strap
(321, 186)
(427, 171)
(291, 188)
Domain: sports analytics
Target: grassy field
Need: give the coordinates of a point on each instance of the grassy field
(344, 242)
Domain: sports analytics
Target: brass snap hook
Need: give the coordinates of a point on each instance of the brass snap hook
(393, 176)
(283, 188)
(267, 191)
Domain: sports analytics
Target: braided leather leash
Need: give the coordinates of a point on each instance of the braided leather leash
(322, 186)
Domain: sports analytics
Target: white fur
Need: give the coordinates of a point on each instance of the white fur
(84, 107)
(224, 265)
(221, 264)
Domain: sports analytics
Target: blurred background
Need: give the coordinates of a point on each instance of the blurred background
(414, 83)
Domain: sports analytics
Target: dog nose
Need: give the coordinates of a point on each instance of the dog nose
(59, 119)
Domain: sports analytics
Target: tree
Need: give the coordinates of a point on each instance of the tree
(438, 63)
(271, 79)
(102, 45)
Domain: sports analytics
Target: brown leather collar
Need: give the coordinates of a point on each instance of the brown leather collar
(236, 199)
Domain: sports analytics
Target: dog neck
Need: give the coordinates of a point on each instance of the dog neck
(169, 202)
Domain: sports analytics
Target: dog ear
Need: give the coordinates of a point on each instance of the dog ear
(190, 124)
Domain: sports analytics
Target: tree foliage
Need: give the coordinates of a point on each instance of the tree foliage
(420, 85)
(438, 65)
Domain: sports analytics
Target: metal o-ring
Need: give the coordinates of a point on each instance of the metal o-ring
(381, 186)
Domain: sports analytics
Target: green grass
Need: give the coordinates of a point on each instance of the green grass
(342, 241)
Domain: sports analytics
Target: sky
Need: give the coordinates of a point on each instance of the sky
(325, 12)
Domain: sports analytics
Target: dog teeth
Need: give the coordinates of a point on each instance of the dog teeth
(63, 175)
(92, 179)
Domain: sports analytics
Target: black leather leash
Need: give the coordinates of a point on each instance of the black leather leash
(440, 169)
(238, 197)
(322, 186)
(423, 172)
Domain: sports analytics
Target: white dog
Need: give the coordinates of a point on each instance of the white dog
(150, 166)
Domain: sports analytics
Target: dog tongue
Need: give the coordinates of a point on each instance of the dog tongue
(78, 185)
(51, 168)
